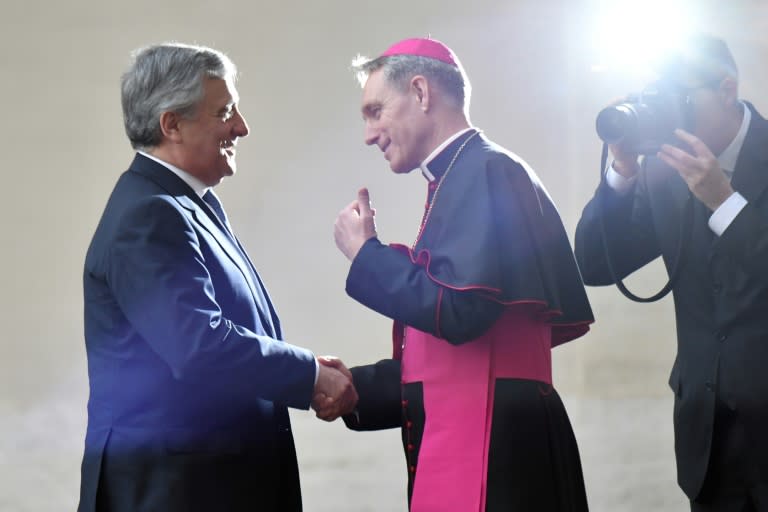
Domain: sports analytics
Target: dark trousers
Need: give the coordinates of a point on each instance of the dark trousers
(733, 482)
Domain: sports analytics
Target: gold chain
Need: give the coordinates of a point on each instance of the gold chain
(437, 189)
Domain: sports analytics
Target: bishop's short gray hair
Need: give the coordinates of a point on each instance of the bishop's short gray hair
(167, 77)
(399, 69)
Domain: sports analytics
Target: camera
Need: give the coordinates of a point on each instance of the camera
(645, 121)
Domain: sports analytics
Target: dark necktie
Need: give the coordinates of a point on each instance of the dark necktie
(263, 304)
(212, 200)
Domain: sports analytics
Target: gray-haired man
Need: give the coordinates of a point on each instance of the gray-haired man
(189, 377)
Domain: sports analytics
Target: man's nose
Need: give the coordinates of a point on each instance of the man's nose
(240, 127)
(371, 134)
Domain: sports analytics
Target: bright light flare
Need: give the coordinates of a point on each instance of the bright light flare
(629, 35)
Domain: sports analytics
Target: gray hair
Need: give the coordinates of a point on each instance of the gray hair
(399, 69)
(167, 77)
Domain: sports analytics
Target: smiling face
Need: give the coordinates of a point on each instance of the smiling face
(395, 122)
(207, 140)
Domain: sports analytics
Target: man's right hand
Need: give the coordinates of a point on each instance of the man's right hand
(355, 225)
(334, 394)
(624, 162)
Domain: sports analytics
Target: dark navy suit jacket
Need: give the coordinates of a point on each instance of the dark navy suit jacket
(189, 379)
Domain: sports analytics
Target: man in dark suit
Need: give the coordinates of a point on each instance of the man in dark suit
(721, 294)
(189, 377)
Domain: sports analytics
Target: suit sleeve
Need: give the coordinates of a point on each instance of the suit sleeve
(158, 276)
(631, 238)
(378, 388)
(746, 242)
(386, 281)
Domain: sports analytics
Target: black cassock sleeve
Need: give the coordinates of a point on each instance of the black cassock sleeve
(378, 386)
(388, 282)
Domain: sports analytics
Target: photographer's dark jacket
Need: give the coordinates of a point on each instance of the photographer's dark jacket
(721, 296)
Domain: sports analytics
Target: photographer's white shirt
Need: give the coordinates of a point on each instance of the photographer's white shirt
(724, 215)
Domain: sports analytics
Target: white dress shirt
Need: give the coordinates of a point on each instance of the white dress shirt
(198, 186)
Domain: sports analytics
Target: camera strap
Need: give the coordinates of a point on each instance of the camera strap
(686, 231)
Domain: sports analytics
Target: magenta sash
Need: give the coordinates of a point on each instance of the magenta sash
(458, 383)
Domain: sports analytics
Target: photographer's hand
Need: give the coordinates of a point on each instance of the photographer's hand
(624, 162)
(701, 171)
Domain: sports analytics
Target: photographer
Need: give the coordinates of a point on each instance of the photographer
(684, 199)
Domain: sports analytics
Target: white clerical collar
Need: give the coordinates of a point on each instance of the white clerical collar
(727, 159)
(424, 169)
(198, 186)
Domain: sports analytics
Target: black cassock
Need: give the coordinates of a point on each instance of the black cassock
(489, 287)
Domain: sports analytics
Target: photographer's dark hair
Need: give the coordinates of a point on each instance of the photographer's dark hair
(701, 58)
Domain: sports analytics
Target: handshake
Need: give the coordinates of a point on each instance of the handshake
(334, 394)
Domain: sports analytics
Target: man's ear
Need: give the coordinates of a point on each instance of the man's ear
(169, 126)
(729, 90)
(420, 87)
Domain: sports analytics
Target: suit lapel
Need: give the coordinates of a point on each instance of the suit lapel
(203, 214)
(210, 222)
(750, 177)
(274, 320)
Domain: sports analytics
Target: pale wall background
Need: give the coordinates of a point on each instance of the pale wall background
(534, 91)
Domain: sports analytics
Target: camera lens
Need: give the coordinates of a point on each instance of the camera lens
(646, 121)
(615, 124)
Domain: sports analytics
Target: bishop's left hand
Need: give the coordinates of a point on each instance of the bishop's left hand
(700, 170)
(355, 225)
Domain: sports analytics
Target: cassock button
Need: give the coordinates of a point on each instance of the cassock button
(412, 469)
(405, 403)
(410, 447)
(408, 424)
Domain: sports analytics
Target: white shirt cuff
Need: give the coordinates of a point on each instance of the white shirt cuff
(618, 182)
(724, 215)
(317, 370)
